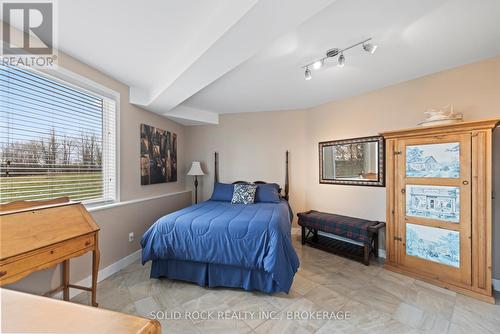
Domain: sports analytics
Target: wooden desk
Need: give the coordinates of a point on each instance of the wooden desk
(39, 235)
(25, 313)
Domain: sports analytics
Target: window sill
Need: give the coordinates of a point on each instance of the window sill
(111, 205)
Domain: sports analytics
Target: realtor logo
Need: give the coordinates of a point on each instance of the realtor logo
(28, 33)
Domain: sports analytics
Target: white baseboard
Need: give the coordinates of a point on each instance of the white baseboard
(104, 273)
(496, 284)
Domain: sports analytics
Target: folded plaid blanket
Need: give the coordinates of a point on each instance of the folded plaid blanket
(348, 227)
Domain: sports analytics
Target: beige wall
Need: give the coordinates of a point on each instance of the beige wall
(116, 223)
(251, 145)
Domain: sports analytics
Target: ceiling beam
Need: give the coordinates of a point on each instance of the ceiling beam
(192, 116)
(258, 27)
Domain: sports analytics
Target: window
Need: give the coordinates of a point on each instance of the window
(56, 139)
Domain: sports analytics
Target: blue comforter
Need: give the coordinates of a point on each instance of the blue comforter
(255, 236)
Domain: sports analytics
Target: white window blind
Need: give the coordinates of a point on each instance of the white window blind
(56, 139)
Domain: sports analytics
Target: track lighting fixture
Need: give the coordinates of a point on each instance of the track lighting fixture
(334, 52)
(308, 74)
(369, 47)
(318, 64)
(341, 60)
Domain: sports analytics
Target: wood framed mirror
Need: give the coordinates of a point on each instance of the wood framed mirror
(356, 161)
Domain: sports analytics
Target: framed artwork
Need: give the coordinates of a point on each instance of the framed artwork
(433, 160)
(434, 202)
(158, 155)
(433, 244)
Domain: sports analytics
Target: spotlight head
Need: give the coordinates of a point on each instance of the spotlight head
(369, 47)
(318, 64)
(341, 60)
(307, 74)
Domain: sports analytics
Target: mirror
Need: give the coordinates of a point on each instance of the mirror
(358, 161)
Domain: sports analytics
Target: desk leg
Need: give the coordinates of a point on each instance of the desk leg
(65, 276)
(95, 270)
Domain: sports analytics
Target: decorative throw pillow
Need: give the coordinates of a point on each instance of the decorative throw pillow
(244, 193)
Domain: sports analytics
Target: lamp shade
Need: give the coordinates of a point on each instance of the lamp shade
(195, 169)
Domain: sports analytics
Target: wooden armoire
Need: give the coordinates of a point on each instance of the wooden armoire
(439, 205)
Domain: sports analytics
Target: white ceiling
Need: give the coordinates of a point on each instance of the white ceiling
(415, 38)
(192, 60)
(146, 45)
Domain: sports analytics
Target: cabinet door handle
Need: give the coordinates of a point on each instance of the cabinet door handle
(465, 182)
(403, 191)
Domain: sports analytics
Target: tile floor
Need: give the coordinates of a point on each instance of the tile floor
(379, 301)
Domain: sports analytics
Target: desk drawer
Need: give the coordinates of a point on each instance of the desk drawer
(47, 257)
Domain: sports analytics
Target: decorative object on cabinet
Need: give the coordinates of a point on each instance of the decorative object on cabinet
(356, 238)
(158, 155)
(37, 235)
(439, 205)
(442, 116)
(357, 161)
(196, 171)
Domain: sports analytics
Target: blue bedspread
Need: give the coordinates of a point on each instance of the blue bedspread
(255, 236)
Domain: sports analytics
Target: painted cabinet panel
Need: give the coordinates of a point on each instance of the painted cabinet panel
(433, 244)
(433, 202)
(433, 160)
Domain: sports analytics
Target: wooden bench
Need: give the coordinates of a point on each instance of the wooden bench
(355, 238)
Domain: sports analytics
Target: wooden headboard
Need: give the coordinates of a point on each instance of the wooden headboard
(287, 185)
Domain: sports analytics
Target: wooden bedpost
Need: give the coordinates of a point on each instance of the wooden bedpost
(287, 185)
(216, 168)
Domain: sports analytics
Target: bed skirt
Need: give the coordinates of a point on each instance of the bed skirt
(215, 275)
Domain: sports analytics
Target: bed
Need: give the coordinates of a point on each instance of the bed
(216, 243)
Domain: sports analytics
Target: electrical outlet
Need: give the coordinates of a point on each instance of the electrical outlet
(131, 237)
